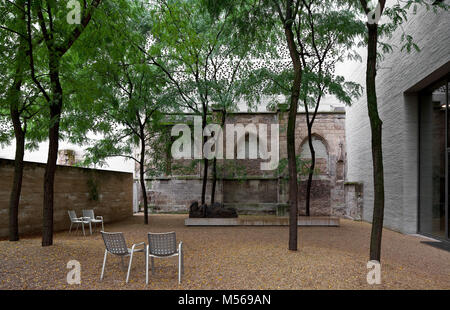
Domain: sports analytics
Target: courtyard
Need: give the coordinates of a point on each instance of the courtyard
(229, 258)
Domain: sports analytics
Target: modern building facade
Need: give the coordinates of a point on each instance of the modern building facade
(413, 100)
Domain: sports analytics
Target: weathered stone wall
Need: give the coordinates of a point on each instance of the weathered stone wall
(167, 194)
(399, 79)
(252, 167)
(74, 190)
(327, 196)
(353, 200)
(252, 190)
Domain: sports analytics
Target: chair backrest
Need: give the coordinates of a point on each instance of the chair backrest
(89, 213)
(162, 244)
(72, 215)
(115, 243)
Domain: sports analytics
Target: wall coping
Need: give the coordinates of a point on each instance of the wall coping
(10, 162)
(257, 112)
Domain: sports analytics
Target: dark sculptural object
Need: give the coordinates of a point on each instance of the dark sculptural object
(217, 210)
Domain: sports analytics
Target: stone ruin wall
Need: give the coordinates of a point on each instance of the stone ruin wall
(255, 191)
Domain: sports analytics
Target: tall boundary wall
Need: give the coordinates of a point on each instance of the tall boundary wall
(108, 193)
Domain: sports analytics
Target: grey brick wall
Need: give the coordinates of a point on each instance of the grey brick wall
(397, 73)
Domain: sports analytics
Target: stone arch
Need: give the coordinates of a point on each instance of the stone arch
(321, 148)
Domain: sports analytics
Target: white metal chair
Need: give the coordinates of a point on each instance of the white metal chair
(115, 244)
(79, 220)
(163, 245)
(94, 219)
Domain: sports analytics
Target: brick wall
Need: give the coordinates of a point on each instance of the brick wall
(72, 192)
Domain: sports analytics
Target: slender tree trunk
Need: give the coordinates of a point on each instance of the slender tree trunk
(311, 171)
(214, 180)
(377, 153)
(142, 177)
(292, 162)
(19, 133)
(17, 180)
(214, 177)
(205, 160)
(49, 177)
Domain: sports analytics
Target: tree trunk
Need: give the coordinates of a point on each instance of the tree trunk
(214, 180)
(377, 153)
(205, 179)
(205, 160)
(311, 171)
(292, 162)
(142, 177)
(49, 177)
(19, 133)
(17, 180)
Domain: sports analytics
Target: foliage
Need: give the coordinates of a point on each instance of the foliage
(303, 167)
(93, 189)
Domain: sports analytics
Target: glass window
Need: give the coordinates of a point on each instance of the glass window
(433, 161)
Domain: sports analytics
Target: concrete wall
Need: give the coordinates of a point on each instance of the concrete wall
(400, 76)
(72, 192)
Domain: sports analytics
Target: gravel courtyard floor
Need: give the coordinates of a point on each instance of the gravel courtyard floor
(230, 258)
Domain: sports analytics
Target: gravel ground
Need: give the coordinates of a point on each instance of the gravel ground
(230, 258)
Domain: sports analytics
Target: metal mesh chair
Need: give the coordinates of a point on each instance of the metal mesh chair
(115, 244)
(162, 245)
(94, 219)
(78, 220)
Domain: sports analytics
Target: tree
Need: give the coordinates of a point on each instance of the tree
(267, 24)
(395, 16)
(203, 55)
(287, 19)
(326, 35)
(20, 99)
(48, 19)
(122, 96)
(131, 106)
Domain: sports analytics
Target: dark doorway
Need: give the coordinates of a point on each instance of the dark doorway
(434, 160)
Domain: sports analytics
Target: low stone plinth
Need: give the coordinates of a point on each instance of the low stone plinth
(263, 221)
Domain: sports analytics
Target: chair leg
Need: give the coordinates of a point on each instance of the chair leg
(129, 267)
(82, 227)
(179, 268)
(103, 228)
(146, 265)
(104, 264)
(70, 227)
(90, 228)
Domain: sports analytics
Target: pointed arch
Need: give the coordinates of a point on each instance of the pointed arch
(321, 149)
